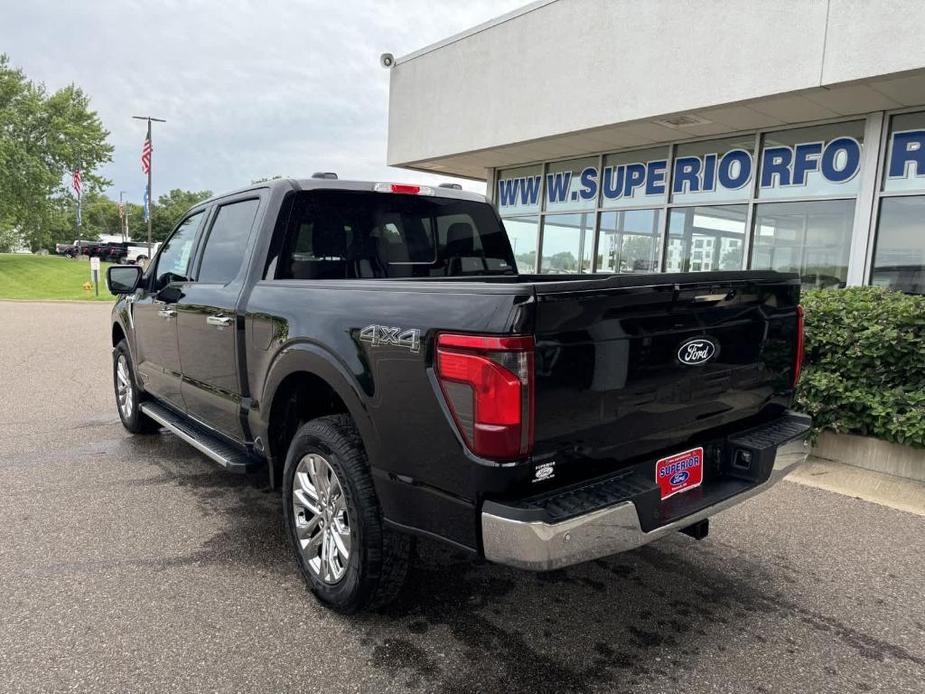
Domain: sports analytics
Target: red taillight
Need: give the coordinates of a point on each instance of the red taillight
(798, 361)
(488, 384)
(403, 189)
(406, 189)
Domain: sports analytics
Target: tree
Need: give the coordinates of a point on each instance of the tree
(526, 262)
(564, 260)
(168, 211)
(43, 138)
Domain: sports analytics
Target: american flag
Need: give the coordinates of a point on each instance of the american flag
(146, 155)
(75, 182)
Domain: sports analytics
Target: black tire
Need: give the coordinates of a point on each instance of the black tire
(379, 556)
(132, 417)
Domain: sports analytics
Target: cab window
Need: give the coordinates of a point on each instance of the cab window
(173, 262)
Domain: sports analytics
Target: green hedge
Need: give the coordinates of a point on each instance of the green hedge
(864, 371)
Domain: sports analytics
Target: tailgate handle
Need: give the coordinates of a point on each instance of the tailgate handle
(703, 298)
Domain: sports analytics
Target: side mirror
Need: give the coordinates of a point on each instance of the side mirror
(123, 279)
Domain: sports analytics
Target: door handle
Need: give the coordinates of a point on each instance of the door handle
(167, 313)
(219, 321)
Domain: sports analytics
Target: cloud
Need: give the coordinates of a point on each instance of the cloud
(249, 89)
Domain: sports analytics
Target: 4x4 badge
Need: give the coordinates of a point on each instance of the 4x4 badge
(378, 335)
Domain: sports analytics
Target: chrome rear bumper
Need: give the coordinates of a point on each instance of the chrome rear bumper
(541, 546)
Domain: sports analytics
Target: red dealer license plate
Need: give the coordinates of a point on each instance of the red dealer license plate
(680, 472)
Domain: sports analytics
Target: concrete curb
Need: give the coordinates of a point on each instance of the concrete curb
(872, 454)
(876, 487)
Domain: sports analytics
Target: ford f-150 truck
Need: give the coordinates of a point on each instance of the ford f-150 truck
(375, 348)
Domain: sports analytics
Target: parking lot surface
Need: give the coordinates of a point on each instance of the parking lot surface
(133, 563)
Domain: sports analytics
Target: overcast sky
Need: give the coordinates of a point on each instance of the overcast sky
(249, 89)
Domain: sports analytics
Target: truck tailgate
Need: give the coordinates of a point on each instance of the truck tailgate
(626, 368)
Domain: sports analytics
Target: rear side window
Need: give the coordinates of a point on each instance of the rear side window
(357, 234)
(224, 250)
(174, 259)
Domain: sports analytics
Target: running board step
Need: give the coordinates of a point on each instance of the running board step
(226, 455)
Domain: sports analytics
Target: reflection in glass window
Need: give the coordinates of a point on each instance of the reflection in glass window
(702, 239)
(899, 256)
(523, 233)
(627, 241)
(173, 261)
(567, 243)
(810, 238)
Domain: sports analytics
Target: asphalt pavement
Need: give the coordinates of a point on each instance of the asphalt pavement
(135, 564)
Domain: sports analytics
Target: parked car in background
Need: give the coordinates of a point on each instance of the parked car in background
(132, 252)
(111, 252)
(78, 247)
(137, 253)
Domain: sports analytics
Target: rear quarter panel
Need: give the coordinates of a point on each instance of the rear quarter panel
(330, 325)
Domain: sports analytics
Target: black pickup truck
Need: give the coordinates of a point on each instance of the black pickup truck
(374, 347)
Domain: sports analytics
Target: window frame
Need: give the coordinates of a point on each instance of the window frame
(206, 233)
(879, 194)
(150, 276)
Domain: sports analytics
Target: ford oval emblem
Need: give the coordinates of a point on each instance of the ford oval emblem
(679, 478)
(697, 351)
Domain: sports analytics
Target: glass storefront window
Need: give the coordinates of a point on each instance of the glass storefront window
(899, 255)
(571, 185)
(567, 243)
(905, 161)
(820, 161)
(517, 191)
(523, 233)
(627, 241)
(714, 171)
(635, 178)
(701, 239)
(685, 207)
(810, 238)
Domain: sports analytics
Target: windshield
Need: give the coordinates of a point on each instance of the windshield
(358, 234)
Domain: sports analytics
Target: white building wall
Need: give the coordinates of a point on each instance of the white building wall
(570, 65)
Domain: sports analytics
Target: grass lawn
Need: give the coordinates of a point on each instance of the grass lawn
(48, 277)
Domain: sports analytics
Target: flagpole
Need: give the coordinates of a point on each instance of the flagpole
(150, 167)
(78, 188)
(123, 229)
(150, 206)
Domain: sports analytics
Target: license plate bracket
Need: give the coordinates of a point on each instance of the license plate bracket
(679, 472)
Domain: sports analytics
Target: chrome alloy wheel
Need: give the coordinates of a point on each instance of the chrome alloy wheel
(322, 524)
(124, 389)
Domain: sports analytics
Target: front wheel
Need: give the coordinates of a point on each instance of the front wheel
(128, 397)
(347, 556)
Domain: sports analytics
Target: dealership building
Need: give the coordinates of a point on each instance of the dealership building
(670, 135)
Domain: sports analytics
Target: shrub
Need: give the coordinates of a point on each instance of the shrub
(864, 371)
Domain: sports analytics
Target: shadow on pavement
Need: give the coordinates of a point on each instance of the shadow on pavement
(463, 625)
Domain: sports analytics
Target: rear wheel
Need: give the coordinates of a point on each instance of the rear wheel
(128, 397)
(347, 556)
